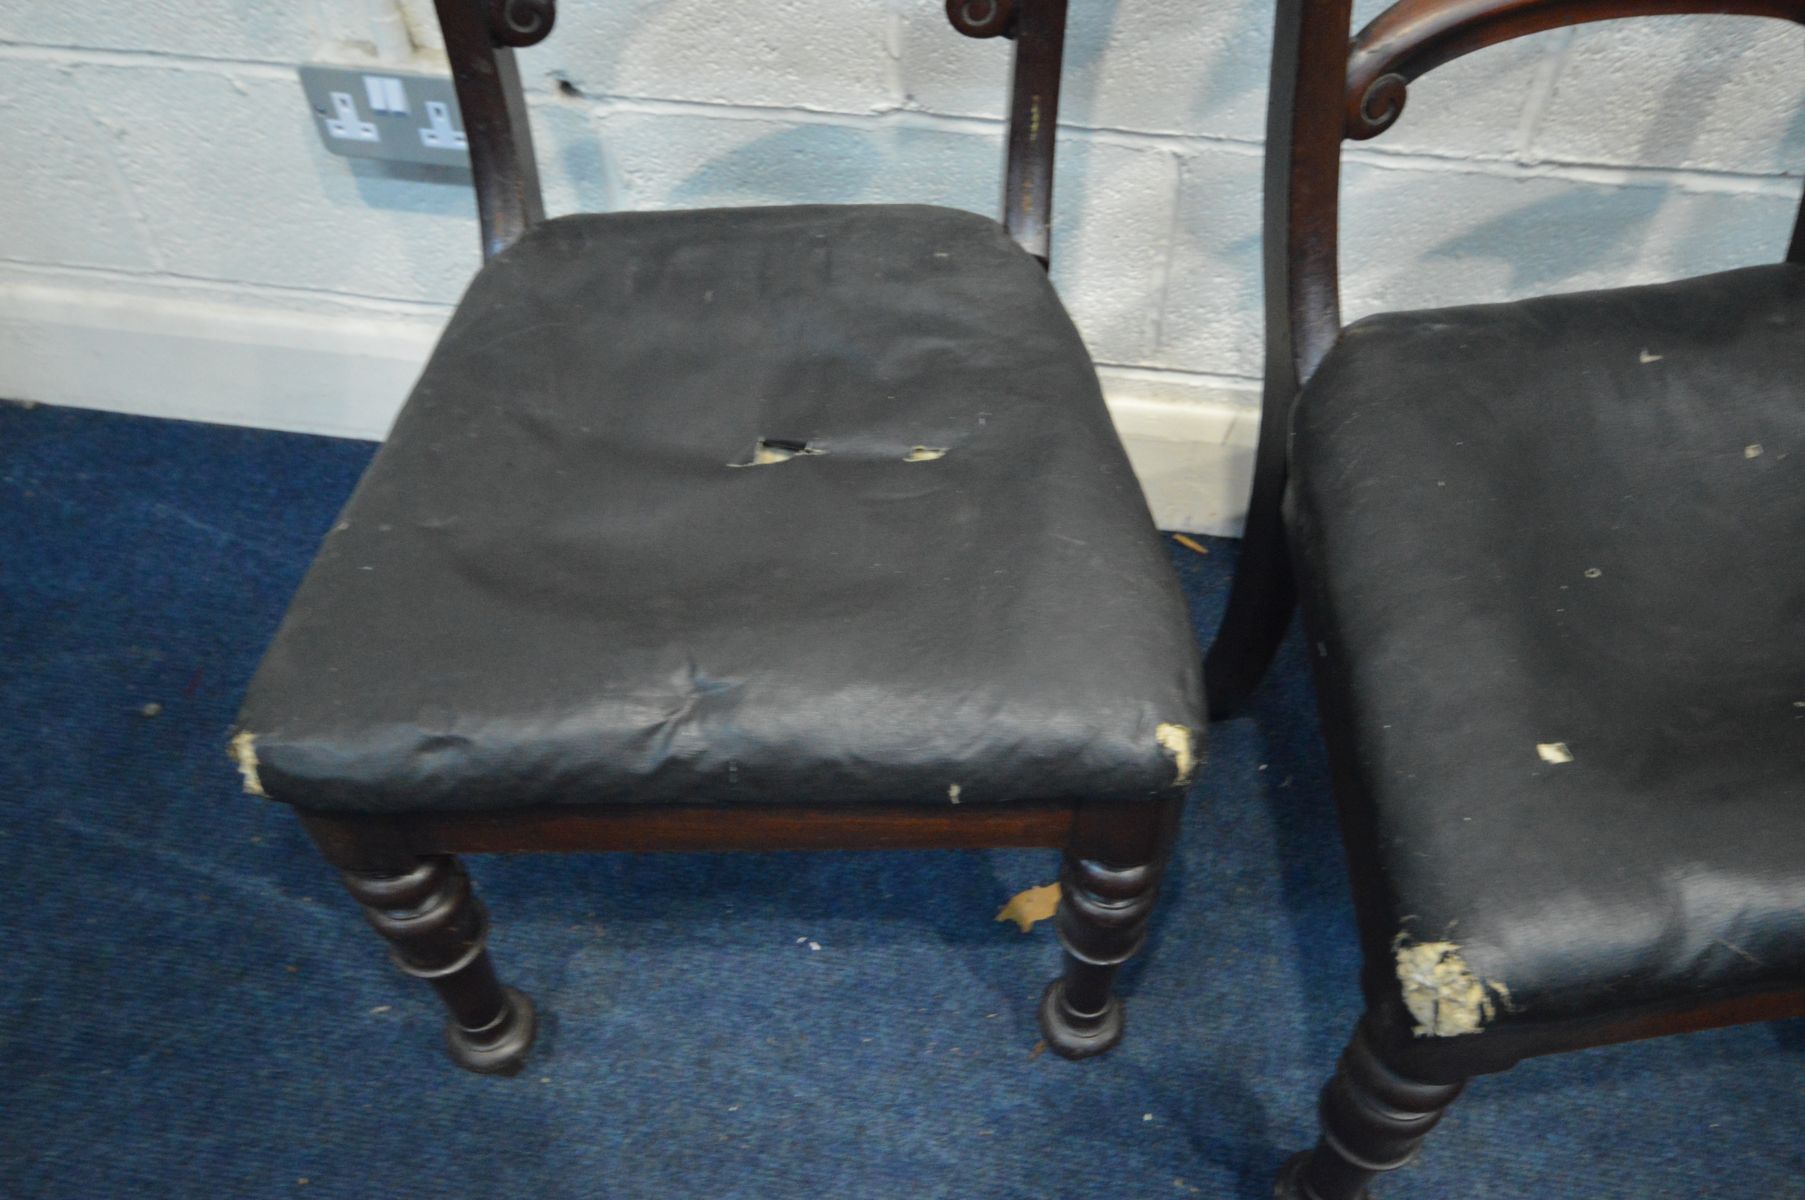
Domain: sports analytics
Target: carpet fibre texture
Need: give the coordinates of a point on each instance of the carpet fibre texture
(190, 1007)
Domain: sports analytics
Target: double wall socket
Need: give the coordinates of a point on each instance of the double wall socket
(389, 115)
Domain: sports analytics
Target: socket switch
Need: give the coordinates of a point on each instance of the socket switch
(394, 115)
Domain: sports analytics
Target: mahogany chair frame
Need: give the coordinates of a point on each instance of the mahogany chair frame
(402, 868)
(1391, 1086)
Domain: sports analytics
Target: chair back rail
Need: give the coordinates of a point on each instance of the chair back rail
(1038, 27)
(1413, 37)
(1303, 315)
(1326, 88)
(481, 35)
(1372, 74)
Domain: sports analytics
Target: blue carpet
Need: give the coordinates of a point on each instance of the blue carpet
(189, 1007)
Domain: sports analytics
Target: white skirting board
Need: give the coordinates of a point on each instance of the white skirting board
(340, 368)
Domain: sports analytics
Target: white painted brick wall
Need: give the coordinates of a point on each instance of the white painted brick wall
(159, 154)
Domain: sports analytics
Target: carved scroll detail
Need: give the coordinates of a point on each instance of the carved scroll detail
(982, 18)
(521, 22)
(1380, 106)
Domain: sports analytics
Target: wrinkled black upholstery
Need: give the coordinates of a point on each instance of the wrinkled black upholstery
(561, 581)
(1578, 520)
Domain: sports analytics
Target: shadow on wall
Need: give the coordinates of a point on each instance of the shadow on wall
(566, 137)
(1232, 74)
(376, 182)
(801, 164)
(1128, 64)
(1411, 240)
(837, 165)
(605, 33)
(428, 259)
(1559, 239)
(1088, 34)
(1718, 92)
(781, 163)
(1113, 218)
(1691, 91)
(1795, 135)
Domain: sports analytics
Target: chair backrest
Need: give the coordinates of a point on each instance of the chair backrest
(1326, 88)
(481, 36)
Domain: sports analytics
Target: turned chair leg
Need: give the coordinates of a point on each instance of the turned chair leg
(1373, 1119)
(1108, 884)
(437, 931)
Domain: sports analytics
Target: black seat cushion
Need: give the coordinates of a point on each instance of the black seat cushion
(766, 505)
(1554, 562)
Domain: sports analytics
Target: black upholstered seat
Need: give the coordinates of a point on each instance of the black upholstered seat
(1555, 555)
(650, 529)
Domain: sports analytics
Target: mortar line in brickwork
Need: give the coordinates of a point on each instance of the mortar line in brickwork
(1699, 179)
(80, 56)
(1685, 179)
(1173, 221)
(50, 273)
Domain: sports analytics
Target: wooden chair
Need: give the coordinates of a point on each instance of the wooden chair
(742, 529)
(1548, 553)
